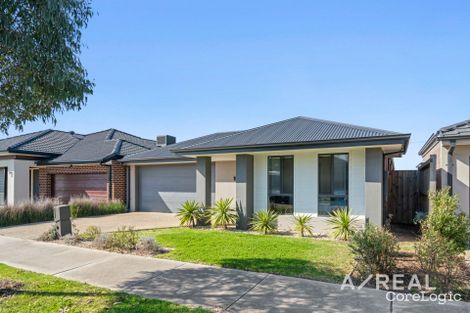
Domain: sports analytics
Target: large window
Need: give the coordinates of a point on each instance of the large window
(281, 184)
(333, 182)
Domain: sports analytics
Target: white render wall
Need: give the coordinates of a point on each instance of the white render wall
(306, 179)
(17, 179)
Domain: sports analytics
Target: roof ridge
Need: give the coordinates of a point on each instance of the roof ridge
(453, 126)
(110, 134)
(203, 142)
(117, 147)
(39, 135)
(133, 135)
(135, 144)
(346, 124)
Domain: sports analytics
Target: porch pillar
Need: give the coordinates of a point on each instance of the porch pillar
(203, 180)
(244, 189)
(373, 186)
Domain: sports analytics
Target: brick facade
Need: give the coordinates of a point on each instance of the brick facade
(117, 186)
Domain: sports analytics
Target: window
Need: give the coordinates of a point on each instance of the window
(333, 182)
(281, 184)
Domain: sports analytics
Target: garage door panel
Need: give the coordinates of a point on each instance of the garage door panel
(163, 188)
(93, 186)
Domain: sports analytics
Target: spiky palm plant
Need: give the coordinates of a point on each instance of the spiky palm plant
(190, 213)
(264, 222)
(223, 214)
(342, 223)
(302, 224)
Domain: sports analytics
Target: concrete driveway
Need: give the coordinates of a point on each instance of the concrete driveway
(233, 291)
(108, 223)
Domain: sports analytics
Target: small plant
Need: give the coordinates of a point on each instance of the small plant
(104, 241)
(264, 222)
(190, 213)
(223, 214)
(445, 220)
(51, 234)
(148, 245)
(342, 224)
(374, 250)
(90, 233)
(125, 239)
(71, 239)
(419, 217)
(302, 224)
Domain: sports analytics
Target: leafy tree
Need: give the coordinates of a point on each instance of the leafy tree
(40, 70)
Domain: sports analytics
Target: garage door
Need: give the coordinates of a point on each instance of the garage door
(93, 186)
(163, 188)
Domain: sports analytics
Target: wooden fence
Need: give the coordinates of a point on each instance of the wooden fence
(403, 196)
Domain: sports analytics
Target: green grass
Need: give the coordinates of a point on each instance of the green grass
(324, 260)
(45, 293)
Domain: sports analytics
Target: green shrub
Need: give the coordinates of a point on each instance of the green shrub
(264, 222)
(302, 224)
(342, 224)
(445, 220)
(440, 259)
(90, 233)
(125, 239)
(223, 214)
(374, 250)
(28, 212)
(83, 206)
(103, 241)
(190, 213)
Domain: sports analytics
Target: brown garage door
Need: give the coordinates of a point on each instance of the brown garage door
(93, 186)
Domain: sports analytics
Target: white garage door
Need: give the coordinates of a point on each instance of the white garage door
(163, 188)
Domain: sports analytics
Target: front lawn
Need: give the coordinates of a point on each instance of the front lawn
(324, 260)
(45, 293)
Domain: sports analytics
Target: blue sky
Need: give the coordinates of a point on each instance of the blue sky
(189, 68)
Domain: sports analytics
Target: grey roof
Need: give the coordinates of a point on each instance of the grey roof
(165, 153)
(295, 131)
(455, 131)
(45, 143)
(103, 146)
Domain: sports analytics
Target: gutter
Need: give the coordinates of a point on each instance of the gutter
(397, 139)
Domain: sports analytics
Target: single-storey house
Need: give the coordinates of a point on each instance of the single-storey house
(296, 166)
(448, 152)
(60, 164)
(299, 165)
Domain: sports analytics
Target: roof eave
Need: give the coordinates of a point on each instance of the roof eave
(380, 140)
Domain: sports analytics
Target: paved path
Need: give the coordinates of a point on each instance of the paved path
(211, 287)
(107, 223)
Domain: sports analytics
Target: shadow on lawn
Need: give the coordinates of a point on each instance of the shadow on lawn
(288, 267)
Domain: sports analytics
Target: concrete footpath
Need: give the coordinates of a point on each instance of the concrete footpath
(192, 284)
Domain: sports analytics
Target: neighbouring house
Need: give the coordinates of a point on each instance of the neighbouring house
(299, 165)
(296, 166)
(446, 162)
(64, 164)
